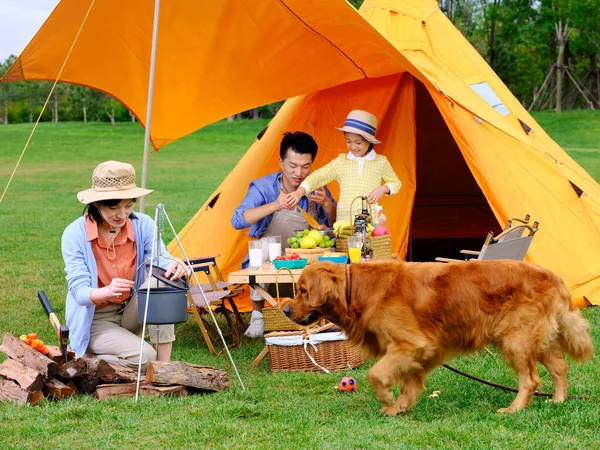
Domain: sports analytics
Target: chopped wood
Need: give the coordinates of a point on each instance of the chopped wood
(161, 391)
(55, 354)
(86, 385)
(27, 378)
(104, 391)
(58, 390)
(71, 369)
(125, 374)
(36, 397)
(73, 386)
(9, 390)
(28, 356)
(97, 368)
(192, 375)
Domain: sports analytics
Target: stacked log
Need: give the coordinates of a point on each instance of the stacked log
(31, 377)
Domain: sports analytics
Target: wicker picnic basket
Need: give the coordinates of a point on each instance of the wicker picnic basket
(292, 351)
(273, 316)
(311, 254)
(381, 245)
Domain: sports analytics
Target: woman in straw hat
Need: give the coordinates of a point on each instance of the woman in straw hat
(102, 250)
(360, 172)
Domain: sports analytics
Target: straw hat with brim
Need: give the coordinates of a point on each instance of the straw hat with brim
(112, 180)
(362, 123)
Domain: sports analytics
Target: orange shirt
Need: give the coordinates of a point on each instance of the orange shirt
(117, 264)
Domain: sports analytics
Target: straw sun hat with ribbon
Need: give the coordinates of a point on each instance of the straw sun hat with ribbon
(112, 180)
(362, 123)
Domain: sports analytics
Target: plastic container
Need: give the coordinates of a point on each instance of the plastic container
(337, 259)
(290, 263)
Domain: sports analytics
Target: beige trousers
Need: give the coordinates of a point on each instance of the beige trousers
(114, 335)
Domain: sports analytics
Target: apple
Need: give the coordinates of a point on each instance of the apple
(380, 230)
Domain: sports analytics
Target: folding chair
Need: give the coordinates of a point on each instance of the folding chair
(511, 243)
(220, 294)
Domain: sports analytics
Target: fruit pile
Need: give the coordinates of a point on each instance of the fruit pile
(292, 257)
(311, 239)
(344, 229)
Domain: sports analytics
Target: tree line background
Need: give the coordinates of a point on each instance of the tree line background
(546, 51)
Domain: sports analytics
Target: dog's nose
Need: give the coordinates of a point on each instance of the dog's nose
(287, 311)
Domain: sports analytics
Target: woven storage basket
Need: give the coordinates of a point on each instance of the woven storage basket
(311, 254)
(273, 317)
(381, 245)
(333, 355)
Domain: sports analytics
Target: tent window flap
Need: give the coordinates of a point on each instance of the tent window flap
(485, 92)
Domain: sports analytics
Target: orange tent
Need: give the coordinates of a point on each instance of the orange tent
(468, 154)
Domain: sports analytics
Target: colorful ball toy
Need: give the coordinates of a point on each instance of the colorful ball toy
(347, 384)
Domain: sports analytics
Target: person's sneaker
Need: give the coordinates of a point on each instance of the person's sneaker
(257, 326)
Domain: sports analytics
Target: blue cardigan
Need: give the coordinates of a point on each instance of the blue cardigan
(82, 274)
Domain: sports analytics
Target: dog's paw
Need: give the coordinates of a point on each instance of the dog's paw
(392, 410)
(510, 409)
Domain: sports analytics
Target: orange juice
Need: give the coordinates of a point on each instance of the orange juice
(354, 254)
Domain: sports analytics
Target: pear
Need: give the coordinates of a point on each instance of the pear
(316, 235)
(308, 242)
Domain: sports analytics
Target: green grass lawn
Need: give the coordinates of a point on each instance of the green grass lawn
(276, 410)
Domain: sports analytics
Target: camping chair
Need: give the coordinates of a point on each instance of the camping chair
(511, 243)
(220, 295)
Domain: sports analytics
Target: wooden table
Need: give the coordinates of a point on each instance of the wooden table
(267, 274)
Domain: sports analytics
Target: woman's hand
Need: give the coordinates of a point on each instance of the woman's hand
(377, 193)
(293, 198)
(117, 291)
(176, 269)
(319, 196)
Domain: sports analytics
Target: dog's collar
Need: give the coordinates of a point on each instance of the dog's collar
(348, 284)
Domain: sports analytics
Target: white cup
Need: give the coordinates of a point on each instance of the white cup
(274, 247)
(256, 254)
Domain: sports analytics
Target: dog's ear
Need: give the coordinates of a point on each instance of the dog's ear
(323, 288)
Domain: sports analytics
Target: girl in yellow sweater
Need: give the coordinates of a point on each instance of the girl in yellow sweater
(360, 172)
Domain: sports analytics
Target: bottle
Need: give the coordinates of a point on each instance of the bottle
(380, 218)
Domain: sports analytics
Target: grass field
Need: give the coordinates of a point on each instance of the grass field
(276, 410)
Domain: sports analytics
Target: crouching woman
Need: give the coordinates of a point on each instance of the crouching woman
(102, 250)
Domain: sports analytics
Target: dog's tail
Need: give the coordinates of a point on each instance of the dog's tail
(574, 338)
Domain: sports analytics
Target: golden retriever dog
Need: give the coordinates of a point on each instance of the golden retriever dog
(416, 316)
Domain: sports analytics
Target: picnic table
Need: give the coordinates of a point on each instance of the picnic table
(266, 274)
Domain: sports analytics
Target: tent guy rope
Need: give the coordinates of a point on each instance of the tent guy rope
(47, 100)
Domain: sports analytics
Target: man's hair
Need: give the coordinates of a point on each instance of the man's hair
(299, 142)
(95, 214)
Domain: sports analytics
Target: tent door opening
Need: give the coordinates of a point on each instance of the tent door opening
(450, 212)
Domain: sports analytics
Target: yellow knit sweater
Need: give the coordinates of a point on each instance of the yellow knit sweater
(356, 177)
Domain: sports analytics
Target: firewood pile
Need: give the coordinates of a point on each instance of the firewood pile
(32, 377)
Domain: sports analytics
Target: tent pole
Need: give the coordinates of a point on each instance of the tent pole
(150, 98)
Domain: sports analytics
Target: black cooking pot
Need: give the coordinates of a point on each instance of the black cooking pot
(167, 304)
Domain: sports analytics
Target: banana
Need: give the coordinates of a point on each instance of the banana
(341, 224)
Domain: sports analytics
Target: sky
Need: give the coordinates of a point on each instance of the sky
(19, 21)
